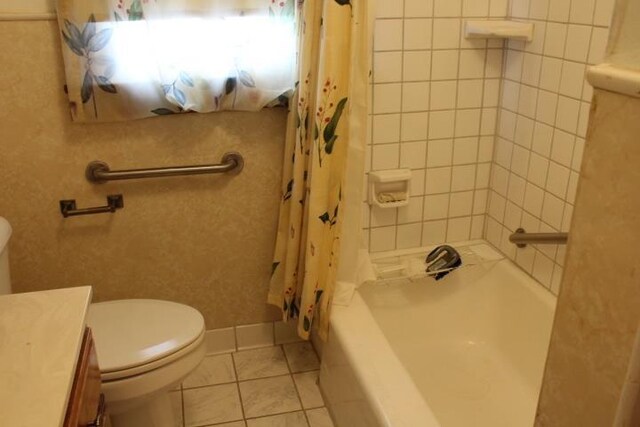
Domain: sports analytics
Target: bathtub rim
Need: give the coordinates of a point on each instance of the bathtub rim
(359, 334)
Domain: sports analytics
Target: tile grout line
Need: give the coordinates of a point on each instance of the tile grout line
(276, 414)
(429, 118)
(564, 204)
(477, 154)
(237, 382)
(295, 386)
(397, 211)
(182, 406)
(402, 86)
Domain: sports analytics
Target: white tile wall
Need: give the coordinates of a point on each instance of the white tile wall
(435, 100)
(542, 126)
(493, 133)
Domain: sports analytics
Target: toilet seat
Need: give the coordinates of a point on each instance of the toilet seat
(137, 336)
(147, 367)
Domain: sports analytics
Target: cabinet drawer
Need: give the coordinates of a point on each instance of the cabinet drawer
(86, 404)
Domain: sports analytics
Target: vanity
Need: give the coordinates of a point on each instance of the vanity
(49, 373)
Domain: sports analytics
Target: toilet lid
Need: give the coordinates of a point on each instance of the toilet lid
(130, 333)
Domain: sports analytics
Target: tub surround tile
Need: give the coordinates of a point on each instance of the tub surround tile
(302, 357)
(545, 95)
(269, 396)
(213, 370)
(307, 385)
(292, 419)
(444, 91)
(260, 363)
(254, 336)
(211, 405)
(319, 418)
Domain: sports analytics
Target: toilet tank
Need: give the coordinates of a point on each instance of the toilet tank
(5, 234)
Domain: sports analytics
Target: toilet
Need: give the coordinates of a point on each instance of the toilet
(145, 349)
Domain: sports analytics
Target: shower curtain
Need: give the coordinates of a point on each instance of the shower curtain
(323, 162)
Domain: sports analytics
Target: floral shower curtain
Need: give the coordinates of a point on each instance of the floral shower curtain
(129, 59)
(327, 113)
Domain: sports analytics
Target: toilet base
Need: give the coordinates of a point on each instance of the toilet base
(144, 400)
(156, 412)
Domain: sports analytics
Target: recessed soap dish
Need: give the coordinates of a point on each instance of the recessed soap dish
(390, 188)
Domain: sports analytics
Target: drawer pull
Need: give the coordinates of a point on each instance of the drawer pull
(100, 420)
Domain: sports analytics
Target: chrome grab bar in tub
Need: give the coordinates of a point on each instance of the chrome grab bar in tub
(521, 238)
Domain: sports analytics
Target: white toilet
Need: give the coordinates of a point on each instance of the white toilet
(145, 349)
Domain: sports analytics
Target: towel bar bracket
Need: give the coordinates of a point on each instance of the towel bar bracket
(70, 208)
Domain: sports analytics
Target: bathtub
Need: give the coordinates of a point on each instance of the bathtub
(468, 350)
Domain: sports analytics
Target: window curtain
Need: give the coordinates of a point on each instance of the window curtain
(327, 118)
(129, 59)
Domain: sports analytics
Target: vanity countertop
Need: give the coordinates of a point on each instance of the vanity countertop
(40, 338)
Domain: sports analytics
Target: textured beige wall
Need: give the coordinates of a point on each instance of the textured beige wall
(598, 308)
(205, 241)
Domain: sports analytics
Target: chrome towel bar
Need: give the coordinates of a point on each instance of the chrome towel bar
(100, 172)
(521, 238)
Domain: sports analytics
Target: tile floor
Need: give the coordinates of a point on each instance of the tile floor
(264, 387)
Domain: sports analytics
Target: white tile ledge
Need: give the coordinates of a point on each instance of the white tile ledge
(615, 79)
(498, 28)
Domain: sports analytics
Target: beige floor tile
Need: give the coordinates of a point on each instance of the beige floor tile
(319, 418)
(260, 363)
(213, 370)
(307, 384)
(269, 396)
(233, 424)
(176, 404)
(211, 405)
(302, 357)
(292, 419)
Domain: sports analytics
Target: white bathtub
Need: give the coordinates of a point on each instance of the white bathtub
(468, 350)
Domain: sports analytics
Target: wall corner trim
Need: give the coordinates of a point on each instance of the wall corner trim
(615, 79)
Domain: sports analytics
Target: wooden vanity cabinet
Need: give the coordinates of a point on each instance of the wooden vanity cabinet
(86, 403)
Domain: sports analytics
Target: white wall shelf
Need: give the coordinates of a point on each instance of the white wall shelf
(500, 29)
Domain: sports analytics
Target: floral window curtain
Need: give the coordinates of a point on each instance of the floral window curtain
(328, 112)
(129, 59)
